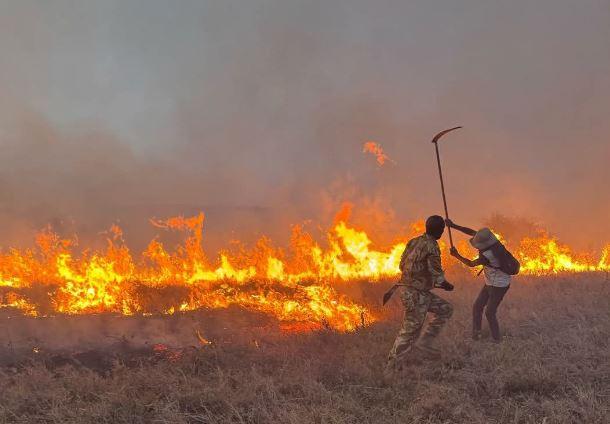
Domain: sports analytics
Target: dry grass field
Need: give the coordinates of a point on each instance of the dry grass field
(553, 367)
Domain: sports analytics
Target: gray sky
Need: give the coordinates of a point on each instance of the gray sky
(255, 111)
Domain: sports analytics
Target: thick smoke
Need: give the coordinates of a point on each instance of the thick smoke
(255, 112)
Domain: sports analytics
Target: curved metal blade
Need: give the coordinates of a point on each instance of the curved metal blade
(442, 133)
(388, 295)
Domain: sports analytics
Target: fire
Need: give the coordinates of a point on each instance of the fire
(297, 285)
(546, 255)
(375, 149)
(202, 340)
(295, 288)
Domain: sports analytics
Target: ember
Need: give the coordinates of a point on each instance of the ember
(164, 351)
(202, 340)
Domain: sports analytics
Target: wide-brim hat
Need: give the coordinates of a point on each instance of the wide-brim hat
(483, 239)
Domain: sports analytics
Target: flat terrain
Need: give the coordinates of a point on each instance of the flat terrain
(553, 367)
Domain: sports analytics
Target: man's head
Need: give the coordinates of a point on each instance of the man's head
(435, 226)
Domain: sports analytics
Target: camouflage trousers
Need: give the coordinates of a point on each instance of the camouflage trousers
(417, 305)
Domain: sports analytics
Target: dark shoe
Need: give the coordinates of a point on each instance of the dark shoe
(476, 336)
(396, 366)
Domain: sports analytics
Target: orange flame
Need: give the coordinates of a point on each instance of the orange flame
(376, 150)
(296, 285)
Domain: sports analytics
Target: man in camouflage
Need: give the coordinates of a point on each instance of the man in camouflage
(421, 271)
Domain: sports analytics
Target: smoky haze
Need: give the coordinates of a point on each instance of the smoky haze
(255, 112)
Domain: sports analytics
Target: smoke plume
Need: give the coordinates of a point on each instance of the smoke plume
(255, 113)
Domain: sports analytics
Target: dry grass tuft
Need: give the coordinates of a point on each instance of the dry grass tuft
(554, 367)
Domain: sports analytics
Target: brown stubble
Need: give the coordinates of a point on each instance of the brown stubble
(552, 367)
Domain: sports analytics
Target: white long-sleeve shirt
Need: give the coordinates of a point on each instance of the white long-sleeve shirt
(493, 276)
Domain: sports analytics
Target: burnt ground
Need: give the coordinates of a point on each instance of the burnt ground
(554, 366)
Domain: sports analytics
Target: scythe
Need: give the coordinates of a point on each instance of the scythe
(388, 295)
(435, 140)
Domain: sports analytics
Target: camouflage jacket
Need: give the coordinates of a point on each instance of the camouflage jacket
(420, 263)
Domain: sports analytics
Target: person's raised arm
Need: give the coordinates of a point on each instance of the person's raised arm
(468, 262)
(465, 230)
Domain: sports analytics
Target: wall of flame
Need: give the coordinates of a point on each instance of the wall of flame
(295, 285)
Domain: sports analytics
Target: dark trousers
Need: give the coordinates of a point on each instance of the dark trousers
(489, 299)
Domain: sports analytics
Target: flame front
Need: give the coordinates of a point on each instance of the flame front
(297, 286)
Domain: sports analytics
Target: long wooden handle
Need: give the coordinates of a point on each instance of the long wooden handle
(440, 174)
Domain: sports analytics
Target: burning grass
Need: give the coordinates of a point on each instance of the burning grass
(299, 283)
(553, 367)
(289, 335)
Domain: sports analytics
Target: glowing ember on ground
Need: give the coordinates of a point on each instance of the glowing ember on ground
(376, 150)
(164, 351)
(202, 340)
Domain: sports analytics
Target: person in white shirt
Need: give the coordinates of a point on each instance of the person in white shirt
(497, 282)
